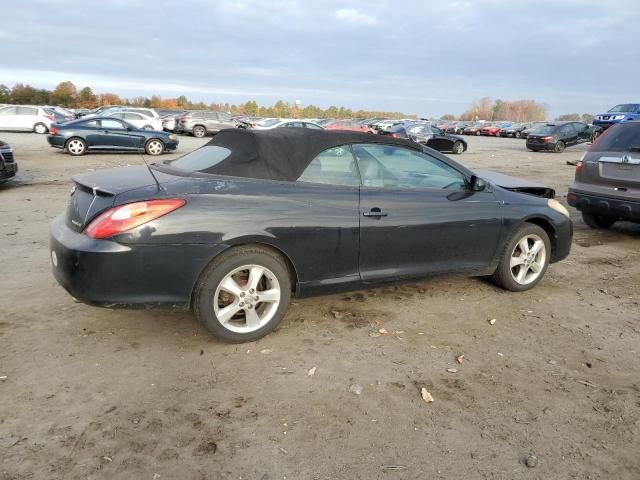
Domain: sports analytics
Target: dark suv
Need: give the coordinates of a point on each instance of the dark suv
(607, 182)
(8, 165)
(200, 123)
(555, 137)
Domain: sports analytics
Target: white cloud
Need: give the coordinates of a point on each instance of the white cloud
(354, 17)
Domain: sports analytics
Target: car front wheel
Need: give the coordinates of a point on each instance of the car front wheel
(154, 147)
(524, 259)
(243, 294)
(560, 146)
(598, 221)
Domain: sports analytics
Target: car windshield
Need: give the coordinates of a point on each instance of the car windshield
(621, 138)
(625, 107)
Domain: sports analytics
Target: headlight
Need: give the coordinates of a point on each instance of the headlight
(173, 137)
(558, 207)
(618, 117)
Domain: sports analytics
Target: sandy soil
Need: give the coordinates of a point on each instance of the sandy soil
(89, 393)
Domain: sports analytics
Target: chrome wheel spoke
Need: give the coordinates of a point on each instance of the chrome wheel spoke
(515, 261)
(522, 273)
(255, 274)
(228, 312)
(253, 319)
(269, 296)
(536, 267)
(524, 245)
(229, 285)
(537, 246)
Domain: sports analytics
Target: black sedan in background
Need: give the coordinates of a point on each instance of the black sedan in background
(235, 228)
(429, 135)
(107, 133)
(555, 137)
(8, 165)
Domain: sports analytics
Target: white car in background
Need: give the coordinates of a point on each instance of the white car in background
(287, 123)
(25, 118)
(139, 120)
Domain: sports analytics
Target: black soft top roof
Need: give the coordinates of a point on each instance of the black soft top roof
(284, 153)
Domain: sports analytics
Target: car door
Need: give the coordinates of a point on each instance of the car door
(8, 118)
(568, 134)
(584, 133)
(114, 135)
(327, 227)
(417, 216)
(27, 117)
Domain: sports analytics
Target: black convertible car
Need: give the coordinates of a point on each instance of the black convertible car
(108, 133)
(234, 228)
(428, 135)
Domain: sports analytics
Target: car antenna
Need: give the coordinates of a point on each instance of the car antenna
(155, 179)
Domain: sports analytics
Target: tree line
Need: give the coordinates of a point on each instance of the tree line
(66, 94)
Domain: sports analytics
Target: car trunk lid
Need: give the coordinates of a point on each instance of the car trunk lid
(93, 193)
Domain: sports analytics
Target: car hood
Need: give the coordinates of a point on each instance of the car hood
(515, 184)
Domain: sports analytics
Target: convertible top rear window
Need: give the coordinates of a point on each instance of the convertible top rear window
(202, 159)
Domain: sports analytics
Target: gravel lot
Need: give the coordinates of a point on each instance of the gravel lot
(89, 393)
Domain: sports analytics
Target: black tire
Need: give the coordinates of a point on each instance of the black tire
(218, 269)
(75, 146)
(154, 146)
(533, 149)
(40, 128)
(518, 134)
(598, 221)
(503, 275)
(458, 147)
(559, 147)
(199, 131)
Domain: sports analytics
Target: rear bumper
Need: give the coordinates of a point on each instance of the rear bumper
(109, 274)
(171, 145)
(606, 206)
(56, 141)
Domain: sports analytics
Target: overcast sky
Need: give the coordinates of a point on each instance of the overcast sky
(415, 56)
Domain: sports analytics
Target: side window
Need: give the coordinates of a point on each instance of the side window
(8, 111)
(313, 126)
(211, 116)
(197, 115)
(115, 124)
(388, 166)
(89, 124)
(27, 111)
(225, 117)
(334, 166)
(119, 115)
(293, 125)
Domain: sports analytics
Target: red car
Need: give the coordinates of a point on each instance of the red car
(348, 125)
(491, 130)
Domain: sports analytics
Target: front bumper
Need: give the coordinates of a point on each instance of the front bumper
(8, 172)
(605, 206)
(540, 146)
(171, 145)
(110, 274)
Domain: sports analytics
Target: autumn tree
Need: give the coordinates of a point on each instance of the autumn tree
(5, 94)
(106, 99)
(64, 94)
(86, 98)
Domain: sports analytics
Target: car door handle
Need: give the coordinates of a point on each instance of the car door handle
(375, 212)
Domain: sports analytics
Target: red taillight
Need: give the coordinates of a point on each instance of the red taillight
(125, 217)
(571, 197)
(579, 166)
(394, 135)
(546, 139)
(53, 131)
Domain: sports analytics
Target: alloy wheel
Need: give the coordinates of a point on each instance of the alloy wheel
(155, 147)
(199, 132)
(247, 298)
(528, 259)
(458, 147)
(40, 128)
(75, 146)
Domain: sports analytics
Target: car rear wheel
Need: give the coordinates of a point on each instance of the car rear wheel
(524, 259)
(478, 133)
(559, 148)
(458, 147)
(199, 131)
(76, 146)
(154, 147)
(243, 294)
(598, 221)
(40, 128)
(517, 134)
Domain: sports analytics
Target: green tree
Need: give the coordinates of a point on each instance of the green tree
(86, 98)
(64, 94)
(448, 116)
(5, 94)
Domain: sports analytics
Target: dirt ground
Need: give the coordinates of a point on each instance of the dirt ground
(89, 393)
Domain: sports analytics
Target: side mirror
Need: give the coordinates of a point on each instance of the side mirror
(477, 184)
